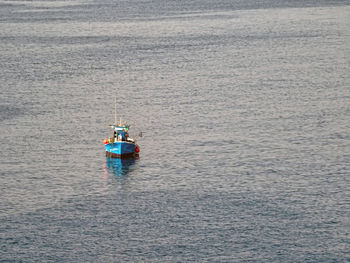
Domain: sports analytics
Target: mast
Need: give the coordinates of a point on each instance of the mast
(115, 111)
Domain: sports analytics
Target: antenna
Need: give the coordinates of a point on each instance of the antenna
(115, 111)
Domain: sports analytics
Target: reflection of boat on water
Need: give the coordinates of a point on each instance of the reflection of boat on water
(120, 167)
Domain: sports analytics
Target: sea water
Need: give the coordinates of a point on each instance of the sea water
(244, 108)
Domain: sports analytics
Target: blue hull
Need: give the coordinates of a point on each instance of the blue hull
(120, 149)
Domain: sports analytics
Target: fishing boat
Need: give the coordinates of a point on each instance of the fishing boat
(121, 145)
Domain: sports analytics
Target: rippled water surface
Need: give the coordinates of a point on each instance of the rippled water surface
(244, 108)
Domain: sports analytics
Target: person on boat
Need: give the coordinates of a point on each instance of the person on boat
(123, 135)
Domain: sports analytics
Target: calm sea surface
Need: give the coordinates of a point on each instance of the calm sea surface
(245, 112)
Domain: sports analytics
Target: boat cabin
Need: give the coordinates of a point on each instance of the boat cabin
(120, 133)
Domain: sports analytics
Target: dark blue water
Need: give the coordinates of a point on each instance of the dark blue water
(245, 111)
